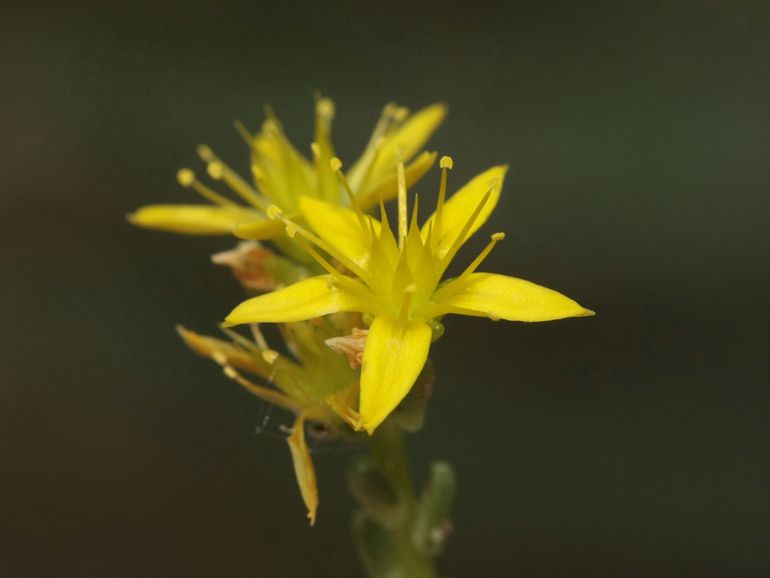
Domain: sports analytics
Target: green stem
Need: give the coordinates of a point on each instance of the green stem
(389, 453)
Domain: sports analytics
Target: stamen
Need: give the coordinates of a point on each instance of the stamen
(274, 212)
(259, 338)
(483, 255)
(336, 165)
(218, 170)
(187, 179)
(467, 227)
(402, 208)
(400, 115)
(408, 292)
(244, 132)
(270, 356)
(269, 395)
(320, 260)
(446, 165)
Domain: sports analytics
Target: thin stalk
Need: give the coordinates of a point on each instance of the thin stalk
(389, 453)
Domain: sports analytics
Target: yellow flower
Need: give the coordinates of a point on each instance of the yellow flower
(299, 387)
(282, 175)
(396, 280)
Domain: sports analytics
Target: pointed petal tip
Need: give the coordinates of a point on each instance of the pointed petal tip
(367, 427)
(587, 313)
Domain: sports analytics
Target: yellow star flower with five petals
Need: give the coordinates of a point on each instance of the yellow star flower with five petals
(396, 280)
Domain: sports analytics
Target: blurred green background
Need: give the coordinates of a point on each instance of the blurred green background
(634, 443)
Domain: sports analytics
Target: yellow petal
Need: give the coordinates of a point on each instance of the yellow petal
(281, 171)
(303, 467)
(461, 206)
(503, 297)
(339, 227)
(306, 299)
(387, 187)
(192, 219)
(395, 353)
(409, 138)
(259, 230)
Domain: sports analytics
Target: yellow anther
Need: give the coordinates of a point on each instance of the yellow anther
(389, 109)
(335, 163)
(274, 212)
(270, 356)
(205, 153)
(316, 150)
(230, 372)
(291, 229)
(216, 170)
(185, 177)
(446, 162)
(325, 107)
(498, 236)
(400, 114)
(219, 357)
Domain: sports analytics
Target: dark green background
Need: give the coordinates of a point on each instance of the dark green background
(634, 443)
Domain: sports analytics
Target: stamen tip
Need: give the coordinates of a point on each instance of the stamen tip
(185, 177)
(498, 236)
(215, 170)
(336, 164)
(316, 150)
(205, 152)
(274, 212)
(446, 162)
(270, 356)
(325, 108)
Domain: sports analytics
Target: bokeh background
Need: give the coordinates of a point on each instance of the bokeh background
(634, 443)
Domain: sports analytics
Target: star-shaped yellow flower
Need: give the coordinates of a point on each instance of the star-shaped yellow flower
(282, 175)
(396, 280)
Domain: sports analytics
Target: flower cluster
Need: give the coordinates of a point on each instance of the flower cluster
(359, 302)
